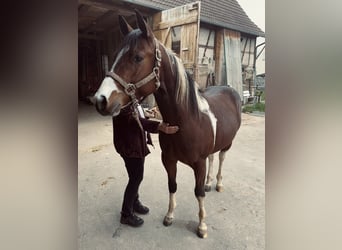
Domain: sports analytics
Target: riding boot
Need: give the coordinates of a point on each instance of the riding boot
(131, 220)
(140, 208)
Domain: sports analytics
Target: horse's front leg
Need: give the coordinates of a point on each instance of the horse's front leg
(171, 169)
(199, 170)
(210, 178)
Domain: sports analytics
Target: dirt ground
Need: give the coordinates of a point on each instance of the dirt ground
(235, 217)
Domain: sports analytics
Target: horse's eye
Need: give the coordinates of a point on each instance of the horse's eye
(138, 59)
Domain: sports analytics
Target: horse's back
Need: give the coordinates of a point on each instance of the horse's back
(223, 97)
(225, 103)
(221, 90)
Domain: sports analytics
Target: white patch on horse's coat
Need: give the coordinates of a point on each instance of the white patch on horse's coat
(203, 106)
(108, 85)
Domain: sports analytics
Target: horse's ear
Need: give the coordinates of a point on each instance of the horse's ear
(147, 32)
(125, 28)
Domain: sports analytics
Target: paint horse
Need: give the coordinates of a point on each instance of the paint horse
(207, 120)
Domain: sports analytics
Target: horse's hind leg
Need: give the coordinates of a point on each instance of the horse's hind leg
(171, 169)
(199, 169)
(210, 178)
(219, 185)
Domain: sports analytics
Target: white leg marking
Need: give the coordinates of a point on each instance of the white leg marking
(210, 172)
(172, 205)
(202, 227)
(219, 185)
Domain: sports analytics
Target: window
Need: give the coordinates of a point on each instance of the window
(176, 39)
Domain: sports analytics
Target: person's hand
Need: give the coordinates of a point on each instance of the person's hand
(167, 129)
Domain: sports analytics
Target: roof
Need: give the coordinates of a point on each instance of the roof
(224, 13)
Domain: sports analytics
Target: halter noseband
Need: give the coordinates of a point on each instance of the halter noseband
(131, 87)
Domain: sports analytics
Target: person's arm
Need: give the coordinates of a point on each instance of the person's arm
(155, 126)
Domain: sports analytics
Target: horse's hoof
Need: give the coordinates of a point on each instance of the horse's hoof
(202, 233)
(219, 188)
(207, 188)
(167, 221)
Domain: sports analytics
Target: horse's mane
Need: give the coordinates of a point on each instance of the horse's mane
(186, 92)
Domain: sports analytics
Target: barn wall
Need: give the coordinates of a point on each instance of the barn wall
(206, 60)
(248, 63)
(232, 47)
(228, 59)
(219, 58)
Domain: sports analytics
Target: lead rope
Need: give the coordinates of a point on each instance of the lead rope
(135, 113)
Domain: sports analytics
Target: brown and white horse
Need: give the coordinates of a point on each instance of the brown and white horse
(208, 120)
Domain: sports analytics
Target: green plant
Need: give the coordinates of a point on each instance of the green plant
(249, 108)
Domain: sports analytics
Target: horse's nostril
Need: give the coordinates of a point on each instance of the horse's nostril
(101, 103)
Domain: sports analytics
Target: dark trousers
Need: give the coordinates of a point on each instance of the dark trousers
(135, 170)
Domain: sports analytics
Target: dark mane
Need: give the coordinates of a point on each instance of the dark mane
(193, 102)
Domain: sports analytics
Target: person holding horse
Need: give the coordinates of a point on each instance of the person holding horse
(131, 136)
(209, 119)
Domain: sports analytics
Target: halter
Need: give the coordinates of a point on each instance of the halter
(131, 87)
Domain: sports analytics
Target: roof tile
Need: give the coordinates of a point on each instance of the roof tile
(224, 13)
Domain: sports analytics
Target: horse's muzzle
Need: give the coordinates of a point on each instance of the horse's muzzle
(101, 104)
(105, 108)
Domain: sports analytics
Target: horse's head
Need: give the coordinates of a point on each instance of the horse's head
(135, 71)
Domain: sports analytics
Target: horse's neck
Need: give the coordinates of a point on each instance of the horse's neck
(170, 110)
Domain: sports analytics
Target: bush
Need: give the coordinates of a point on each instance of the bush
(249, 108)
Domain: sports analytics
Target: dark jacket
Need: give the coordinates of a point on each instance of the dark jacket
(129, 139)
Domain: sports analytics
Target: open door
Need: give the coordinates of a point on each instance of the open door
(178, 30)
(232, 55)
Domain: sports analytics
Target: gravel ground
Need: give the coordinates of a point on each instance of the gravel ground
(235, 217)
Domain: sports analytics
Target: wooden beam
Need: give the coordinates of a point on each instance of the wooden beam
(259, 52)
(206, 46)
(98, 21)
(244, 50)
(178, 22)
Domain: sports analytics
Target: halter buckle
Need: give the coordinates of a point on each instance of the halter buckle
(130, 89)
(156, 72)
(158, 55)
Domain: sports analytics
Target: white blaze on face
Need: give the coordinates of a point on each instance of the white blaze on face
(108, 85)
(120, 54)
